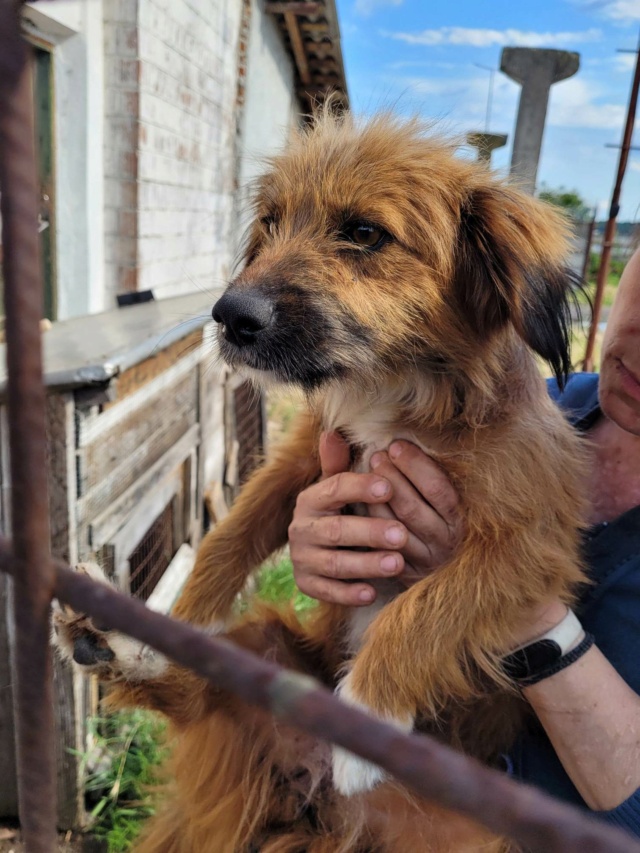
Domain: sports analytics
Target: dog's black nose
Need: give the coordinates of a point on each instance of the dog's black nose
(244, 314)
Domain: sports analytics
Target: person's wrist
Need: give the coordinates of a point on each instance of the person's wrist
(541, 619)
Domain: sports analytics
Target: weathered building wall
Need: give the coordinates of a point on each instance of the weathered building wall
(270, 105)
(164, 112)
(171, 76)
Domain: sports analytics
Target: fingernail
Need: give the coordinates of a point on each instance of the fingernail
(366, 595)
(388, 564)
(376, 460)
(380, 489)
(394, 535)
(395, 450)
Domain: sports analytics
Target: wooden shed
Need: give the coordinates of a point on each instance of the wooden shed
(144, 426)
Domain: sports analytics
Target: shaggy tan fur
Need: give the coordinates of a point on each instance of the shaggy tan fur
(429, 335)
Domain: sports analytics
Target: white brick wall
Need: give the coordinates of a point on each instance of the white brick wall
(169, 152)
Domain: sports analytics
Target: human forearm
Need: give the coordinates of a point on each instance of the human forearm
(592, 718)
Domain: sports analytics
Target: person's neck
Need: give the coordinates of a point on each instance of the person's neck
(614, 483)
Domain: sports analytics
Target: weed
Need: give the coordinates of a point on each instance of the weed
(122, 766)
(275, 584)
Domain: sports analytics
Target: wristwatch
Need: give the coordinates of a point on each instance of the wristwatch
(552, 652)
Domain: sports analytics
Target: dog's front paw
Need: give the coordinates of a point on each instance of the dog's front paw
(96, 649)
(351, 774)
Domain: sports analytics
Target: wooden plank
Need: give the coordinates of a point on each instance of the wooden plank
(133, 528)
(132, 380)
(150, 426)
(93, 427)
(70, 692)
(8, 771)
(97, 500)
(295, 8)
(297, 46)
(212, 414)
(170, 584)
(60, 451)
(5, 473)
(113, 518)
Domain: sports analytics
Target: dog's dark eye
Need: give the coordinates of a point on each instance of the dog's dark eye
(365, 234)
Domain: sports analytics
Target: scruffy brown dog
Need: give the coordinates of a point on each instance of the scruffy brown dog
(407, 292)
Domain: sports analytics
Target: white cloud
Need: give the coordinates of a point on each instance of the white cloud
(624, 62)
(574, 103)
(620, 11)
(461, 101)
(488, 38)
(422, 63)
(366, 7)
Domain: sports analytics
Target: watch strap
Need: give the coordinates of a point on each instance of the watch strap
(566, 634)
(566, 660)
(548, 653)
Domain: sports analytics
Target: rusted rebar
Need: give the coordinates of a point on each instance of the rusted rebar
(33, 576)
(429, 768)
(614, 208)
(432, 770)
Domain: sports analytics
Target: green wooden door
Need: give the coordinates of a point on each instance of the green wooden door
(44, 132)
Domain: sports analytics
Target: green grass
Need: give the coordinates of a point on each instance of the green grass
(275, 584)
(130, 748)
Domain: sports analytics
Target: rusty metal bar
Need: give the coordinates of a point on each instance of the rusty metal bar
(610, 227)
(34, 576)
(429, 768)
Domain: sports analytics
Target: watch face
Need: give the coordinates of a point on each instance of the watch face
(532, 659)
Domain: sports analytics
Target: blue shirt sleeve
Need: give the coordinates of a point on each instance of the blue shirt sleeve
(626, 815)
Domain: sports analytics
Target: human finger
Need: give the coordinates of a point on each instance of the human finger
(431, 540)
(336, 592)
(346, 531)
(335, 454)
(429, 480)
(338, 490)
(346, 565)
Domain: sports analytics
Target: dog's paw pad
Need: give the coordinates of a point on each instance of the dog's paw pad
(95, 648)
(89, 650)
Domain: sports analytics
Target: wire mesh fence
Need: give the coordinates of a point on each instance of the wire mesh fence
(533, 820)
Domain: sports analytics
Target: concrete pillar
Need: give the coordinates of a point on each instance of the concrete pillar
(486, 143)
(536, 70)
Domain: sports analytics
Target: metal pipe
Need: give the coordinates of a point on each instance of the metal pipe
(434, 771)
(33, 578)
(610, 227)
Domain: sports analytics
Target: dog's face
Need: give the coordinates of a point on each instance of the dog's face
(376, 250)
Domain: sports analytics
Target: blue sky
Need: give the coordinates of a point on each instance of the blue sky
(420, 56)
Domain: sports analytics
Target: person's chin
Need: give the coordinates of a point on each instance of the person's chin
(620, 395)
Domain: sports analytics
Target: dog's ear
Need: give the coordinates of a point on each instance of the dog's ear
(510, 269)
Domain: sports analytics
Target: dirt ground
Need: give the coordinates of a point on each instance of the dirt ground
(10, 842)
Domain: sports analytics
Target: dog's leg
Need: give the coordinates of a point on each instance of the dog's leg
(256, 527)
(137, 674)
(442, 638)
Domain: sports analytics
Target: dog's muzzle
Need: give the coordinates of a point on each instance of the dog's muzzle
(244, 316)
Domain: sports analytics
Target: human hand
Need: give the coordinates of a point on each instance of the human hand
(320, 538)
(425, 501)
